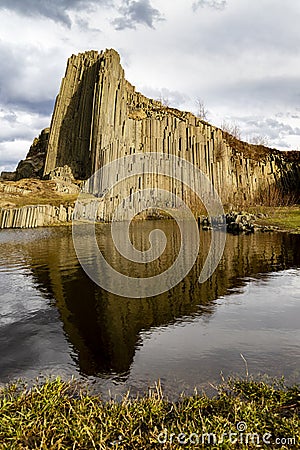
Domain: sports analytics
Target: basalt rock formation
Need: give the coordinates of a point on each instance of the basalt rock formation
(33, 165)
(99, 117)
(33, 216)
(30, 203)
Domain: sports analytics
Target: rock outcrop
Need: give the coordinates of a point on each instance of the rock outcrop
(33, 216)
(30, 203)
(34, 164)
(99, 117)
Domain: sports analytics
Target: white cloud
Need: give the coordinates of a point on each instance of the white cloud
(11, 153)
(17, 124)
(277, 133)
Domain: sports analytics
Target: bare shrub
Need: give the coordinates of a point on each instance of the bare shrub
(275, 195)
(258, 139)
(231, 128)
(202, 112)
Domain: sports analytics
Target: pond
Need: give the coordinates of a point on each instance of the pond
(54, 320)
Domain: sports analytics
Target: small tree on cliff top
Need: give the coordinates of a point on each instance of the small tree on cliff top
(231, 128)
(202, 112)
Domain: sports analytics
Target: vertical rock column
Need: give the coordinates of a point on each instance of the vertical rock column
(69, 141)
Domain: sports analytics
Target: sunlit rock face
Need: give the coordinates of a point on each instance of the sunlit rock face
(99, 117)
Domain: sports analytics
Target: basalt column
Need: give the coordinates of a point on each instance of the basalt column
(70, 131)
(100, 117)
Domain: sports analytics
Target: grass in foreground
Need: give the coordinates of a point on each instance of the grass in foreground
(58, 415)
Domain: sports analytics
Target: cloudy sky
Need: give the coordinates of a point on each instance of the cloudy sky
(241, 57)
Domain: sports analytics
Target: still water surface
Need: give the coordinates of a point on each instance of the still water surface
(55, 321)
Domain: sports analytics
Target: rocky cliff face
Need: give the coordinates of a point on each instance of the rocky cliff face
(33, 216)
(33, 165)
(99, 117)
(30, 203)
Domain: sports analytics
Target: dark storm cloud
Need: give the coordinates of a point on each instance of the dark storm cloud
(56, 10)
(136, 12)
(215, 4)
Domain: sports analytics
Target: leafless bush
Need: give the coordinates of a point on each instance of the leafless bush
(258, 139)
(165, 101)
(202, 112)
(231, 128)
(275, 195)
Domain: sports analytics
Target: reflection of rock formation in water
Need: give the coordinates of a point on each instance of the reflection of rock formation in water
(104, 329)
